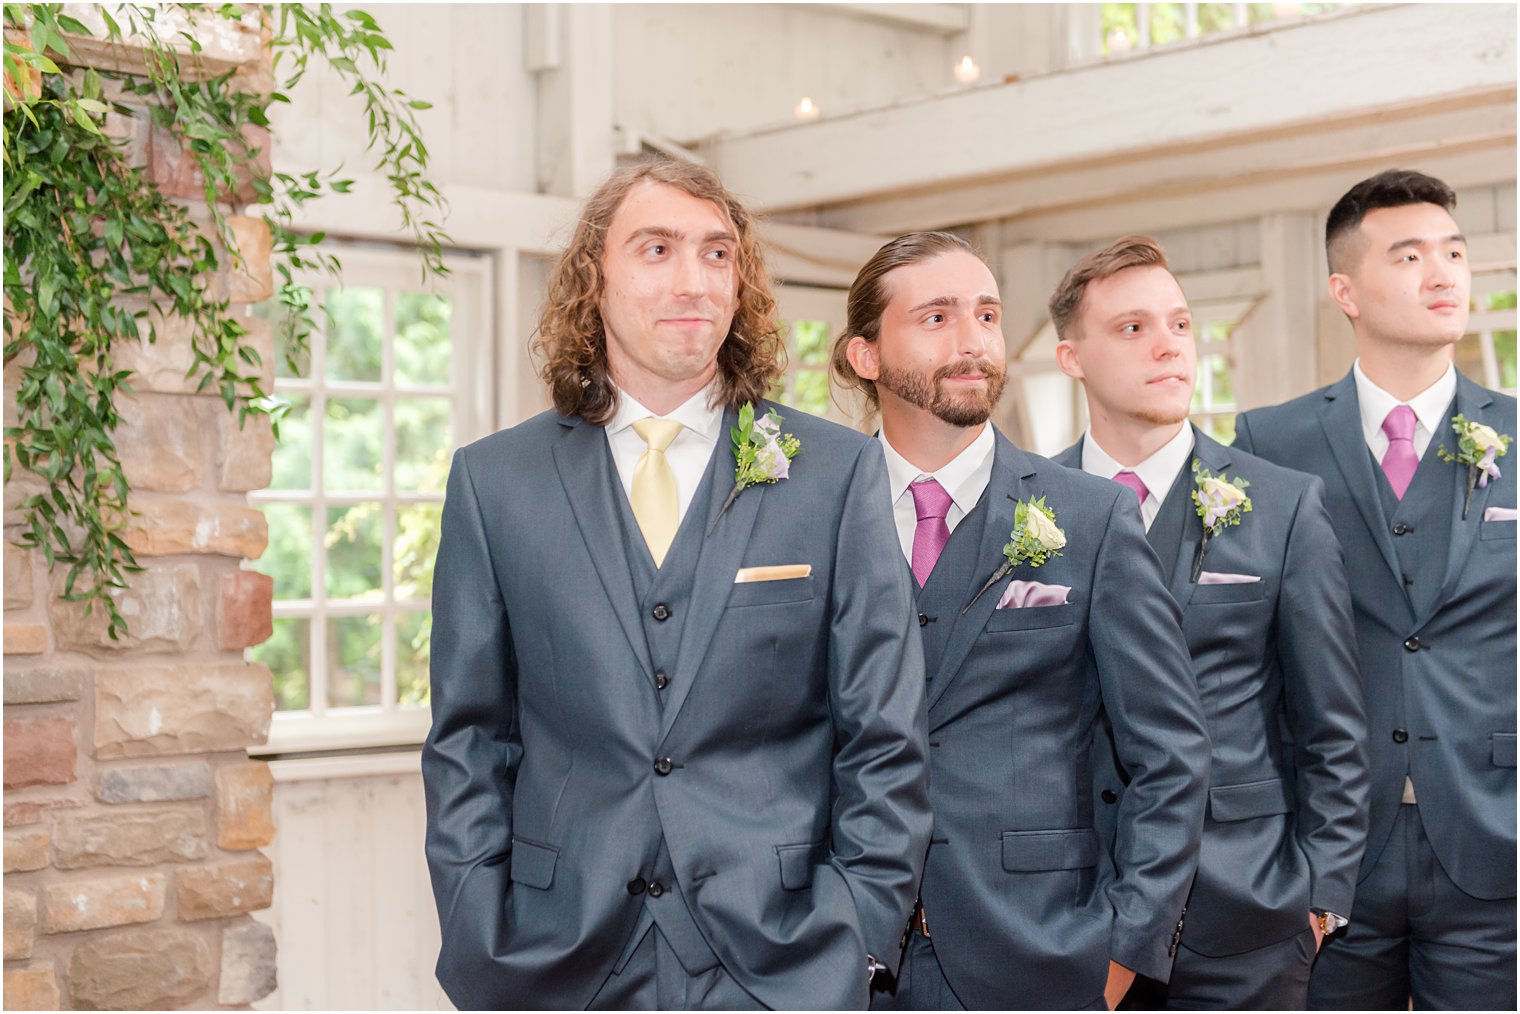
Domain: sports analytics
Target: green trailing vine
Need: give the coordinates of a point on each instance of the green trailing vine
(95, 255)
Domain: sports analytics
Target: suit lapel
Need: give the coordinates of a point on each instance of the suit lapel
(1473, 402)
(581, 456)
(1010, 468)
(1216, 458)
(717, 564)
(1341, 419)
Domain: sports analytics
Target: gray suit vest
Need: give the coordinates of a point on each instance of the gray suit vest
(942, 599)
(1421, 524)
(670, 586)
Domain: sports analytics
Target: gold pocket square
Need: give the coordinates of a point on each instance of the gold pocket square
(784, 572)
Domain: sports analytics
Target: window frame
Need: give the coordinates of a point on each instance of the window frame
(320, 727)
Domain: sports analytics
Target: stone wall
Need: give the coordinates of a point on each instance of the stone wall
(133, 817)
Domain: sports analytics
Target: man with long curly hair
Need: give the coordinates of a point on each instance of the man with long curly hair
(678, 753)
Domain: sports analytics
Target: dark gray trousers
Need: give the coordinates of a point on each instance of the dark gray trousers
(1274, 977)
(653, 979)
(1415, 934)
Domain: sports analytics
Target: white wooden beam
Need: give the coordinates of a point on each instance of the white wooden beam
(945, 19)
(1251, 195)
(1274, 357)
(1274, 79)
(1394, 136)
(574, 137)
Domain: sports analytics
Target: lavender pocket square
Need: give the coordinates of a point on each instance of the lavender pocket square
(1499, 514)
(1211, 577)
(1023, 594)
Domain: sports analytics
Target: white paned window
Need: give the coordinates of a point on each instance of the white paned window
(1486, 354)
(1131, 28)
(1214, 399)
(392, 385)
(811, 317)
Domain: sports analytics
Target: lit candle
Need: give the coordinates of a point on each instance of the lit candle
(806, 110)
(967, 72)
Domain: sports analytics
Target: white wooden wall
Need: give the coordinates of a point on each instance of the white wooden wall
(353, 911)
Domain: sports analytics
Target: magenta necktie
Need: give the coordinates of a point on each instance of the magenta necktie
(1130, 479)
(1400, 461)
(931, 503)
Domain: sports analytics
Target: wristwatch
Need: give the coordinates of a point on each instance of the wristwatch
(1329, 922)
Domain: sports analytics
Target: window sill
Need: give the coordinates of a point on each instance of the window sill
(359, 729)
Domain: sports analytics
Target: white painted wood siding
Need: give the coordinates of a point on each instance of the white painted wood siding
(353, 911)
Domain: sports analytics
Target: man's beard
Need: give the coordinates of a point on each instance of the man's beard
(1162, 417)
(967, 408)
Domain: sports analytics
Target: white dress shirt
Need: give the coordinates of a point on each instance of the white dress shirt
(688, 453)
(1158, 472)
(964, 477)
(1429, 409)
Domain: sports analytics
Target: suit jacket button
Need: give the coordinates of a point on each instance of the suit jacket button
(656, 888)
(1400, 736)
(661, 612)
(662, 766)
(1110, 796)
(923, 621)
(636, 885)
(661, 681)
(1402, 529)
(1412, 644)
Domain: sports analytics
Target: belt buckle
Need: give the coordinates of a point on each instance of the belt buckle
(918, 921)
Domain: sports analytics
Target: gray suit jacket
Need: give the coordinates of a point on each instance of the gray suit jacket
(796, 811)
(1026, 901)
(1439, 681)
(1276, 668)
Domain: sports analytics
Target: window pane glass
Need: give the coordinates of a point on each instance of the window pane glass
(422, 338)
(352, 435)
(1499, 301)
(810, 342)
(1220, 427)
(1222, 392)
(1504, 350)
(288, 655)
(1468, 355)
(288, 558)
(1166, 23)
(422, 444)
(417, 527)
(414, 633)
(810, 391)
(353, 551)
(355, 329)
(292, 453)
(282, 319)
(353, 661)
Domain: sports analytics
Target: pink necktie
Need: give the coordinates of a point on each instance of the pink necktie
(1400, 461)
(1132, 480)
(931, 503)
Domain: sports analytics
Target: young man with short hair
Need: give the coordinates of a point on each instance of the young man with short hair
(1254, 565)
(1412, 455)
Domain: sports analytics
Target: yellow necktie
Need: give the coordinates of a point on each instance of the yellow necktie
(655, 506)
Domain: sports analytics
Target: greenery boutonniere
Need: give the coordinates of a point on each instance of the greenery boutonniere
(1034, 539)
(762, 453)
(1477, 447)
(1220, 501)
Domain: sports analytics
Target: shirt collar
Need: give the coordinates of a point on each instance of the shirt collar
(964, 476)
(1158, 471)
(697, 413)
(1429, 405)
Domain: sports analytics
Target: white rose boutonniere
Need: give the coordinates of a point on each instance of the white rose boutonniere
(1477, 447)
(762, 454)
(1219, 501)
(1034, 539)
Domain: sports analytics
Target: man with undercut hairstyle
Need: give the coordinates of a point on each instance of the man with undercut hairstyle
(1041, 608)
(1421, 486)
(1253, 563)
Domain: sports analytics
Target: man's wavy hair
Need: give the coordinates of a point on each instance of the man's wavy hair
(571, 340)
